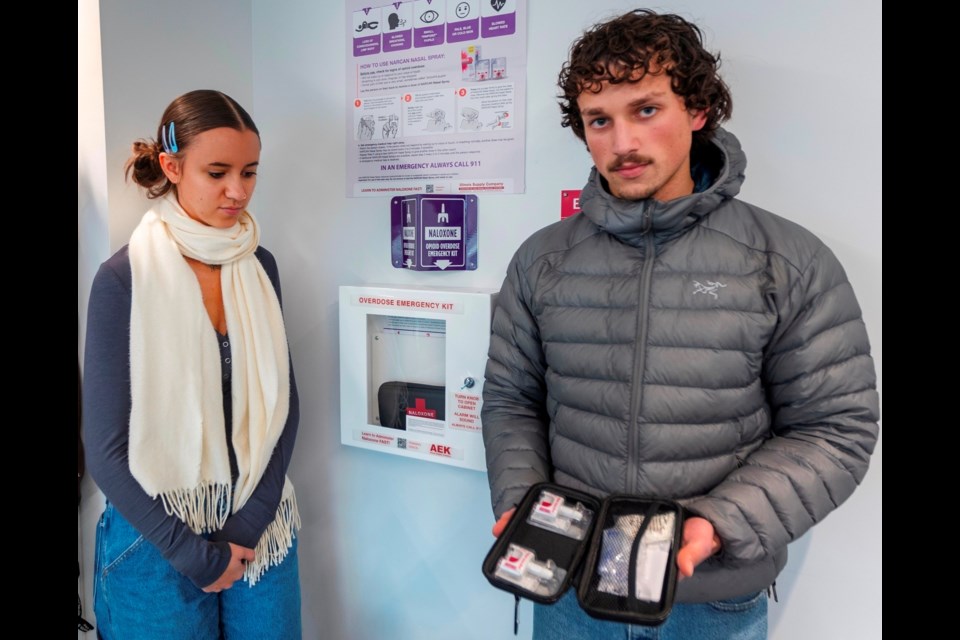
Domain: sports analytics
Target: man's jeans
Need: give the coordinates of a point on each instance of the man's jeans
(743, 618)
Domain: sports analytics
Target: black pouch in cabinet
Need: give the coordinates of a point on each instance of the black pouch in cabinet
(396, 400)
(624, 567)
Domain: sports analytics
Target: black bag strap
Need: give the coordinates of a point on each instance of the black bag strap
(635, 549)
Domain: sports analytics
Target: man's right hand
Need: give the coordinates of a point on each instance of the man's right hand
(239, 557)
(502, 523)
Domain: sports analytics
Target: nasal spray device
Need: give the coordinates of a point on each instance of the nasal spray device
(553, 513)
(521, 567)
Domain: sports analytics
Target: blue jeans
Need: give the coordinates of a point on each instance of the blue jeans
(138, 595)
(743, 618)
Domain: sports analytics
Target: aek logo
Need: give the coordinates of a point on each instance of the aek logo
(440, 450)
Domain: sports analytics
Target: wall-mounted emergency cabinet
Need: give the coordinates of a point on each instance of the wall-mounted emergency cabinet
(411, 371)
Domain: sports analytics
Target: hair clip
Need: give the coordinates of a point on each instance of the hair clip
(169, 141)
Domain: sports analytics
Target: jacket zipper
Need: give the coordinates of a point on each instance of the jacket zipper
(640, 351)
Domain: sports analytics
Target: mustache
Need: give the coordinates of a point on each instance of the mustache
(633, 158)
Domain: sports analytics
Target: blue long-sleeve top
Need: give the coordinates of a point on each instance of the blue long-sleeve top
(106, 420)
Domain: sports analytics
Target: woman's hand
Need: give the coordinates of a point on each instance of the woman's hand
(239, 557)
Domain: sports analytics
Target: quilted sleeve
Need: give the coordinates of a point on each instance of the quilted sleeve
(514, 417)
(821, 387)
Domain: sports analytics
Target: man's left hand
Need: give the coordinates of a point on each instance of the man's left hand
(700, 542)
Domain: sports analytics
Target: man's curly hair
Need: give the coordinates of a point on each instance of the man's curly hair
(625, 49)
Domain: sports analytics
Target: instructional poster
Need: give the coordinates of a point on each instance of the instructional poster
(437, 96)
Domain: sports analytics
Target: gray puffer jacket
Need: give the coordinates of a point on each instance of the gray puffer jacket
(701, 349)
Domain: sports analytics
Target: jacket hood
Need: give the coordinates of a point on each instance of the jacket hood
(631, 220)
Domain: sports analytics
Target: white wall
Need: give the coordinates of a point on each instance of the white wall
(92, 242)
(392, 547)
(153, 52)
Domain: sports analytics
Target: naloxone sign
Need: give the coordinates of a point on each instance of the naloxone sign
(434, 232)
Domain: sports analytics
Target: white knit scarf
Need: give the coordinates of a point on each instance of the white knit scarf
(178, 445)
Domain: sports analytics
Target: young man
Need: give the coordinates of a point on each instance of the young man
(674, 341)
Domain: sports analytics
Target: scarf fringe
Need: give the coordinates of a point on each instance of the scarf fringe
(276, 541)
(203, 509)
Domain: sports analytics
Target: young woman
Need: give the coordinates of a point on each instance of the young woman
(190, 405)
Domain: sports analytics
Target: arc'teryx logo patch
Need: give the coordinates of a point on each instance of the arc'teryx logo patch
(710, 288)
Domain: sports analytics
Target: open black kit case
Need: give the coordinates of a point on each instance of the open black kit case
(619, 553)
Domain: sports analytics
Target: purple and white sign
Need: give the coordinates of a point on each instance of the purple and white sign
(366, 32)
(463, 20)
(498, 18)
(443, 244)
(434, 232)
(436, 97)
(429, 18)
(396, 24)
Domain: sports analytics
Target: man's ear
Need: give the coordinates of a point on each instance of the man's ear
(170, 164)
(698, 119)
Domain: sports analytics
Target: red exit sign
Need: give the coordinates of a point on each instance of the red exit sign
(569, 202)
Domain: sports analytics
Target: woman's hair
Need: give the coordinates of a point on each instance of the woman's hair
(188, 116)
(627, 48)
